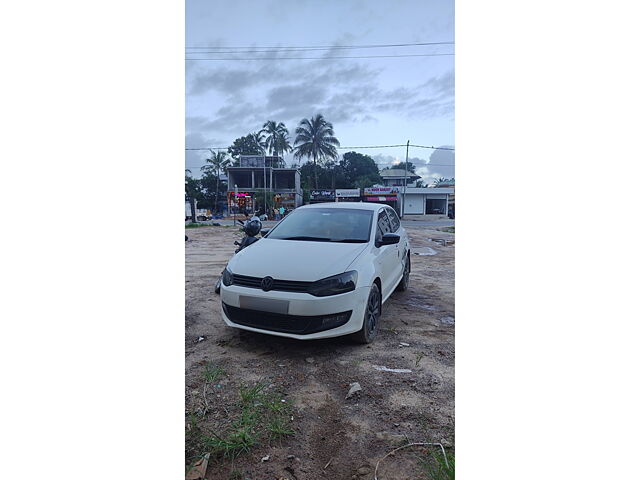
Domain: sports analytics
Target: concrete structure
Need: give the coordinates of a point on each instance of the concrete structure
(426, 201)
(257, 172)
(394, 177)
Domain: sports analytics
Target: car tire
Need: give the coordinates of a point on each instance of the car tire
(371, 320)
(404, 283)
(218, 284)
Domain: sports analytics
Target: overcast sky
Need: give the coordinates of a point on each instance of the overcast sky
(370, 101)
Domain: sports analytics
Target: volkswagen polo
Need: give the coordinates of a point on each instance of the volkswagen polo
(323, 271)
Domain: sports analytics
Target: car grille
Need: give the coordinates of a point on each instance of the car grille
(278, 285)
(298, 324)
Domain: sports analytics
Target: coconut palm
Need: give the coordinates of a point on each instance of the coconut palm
(218, 162)
(277, 137)
(314, 139)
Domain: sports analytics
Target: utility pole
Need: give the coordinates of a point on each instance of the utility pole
(264, 185)
(404, 192)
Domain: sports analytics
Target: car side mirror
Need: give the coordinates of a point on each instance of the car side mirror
(264, 231)
(388, 239)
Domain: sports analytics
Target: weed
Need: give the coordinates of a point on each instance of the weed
(437, 468)
(251, 395)
(235, 475)
(259, 415)
(236, 442)
(212, 373)
(279, 427)
(448, 229)
(419, 356)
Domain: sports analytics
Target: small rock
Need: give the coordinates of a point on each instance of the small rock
(393, 438)
(402, 344)
(309, 360)
(201, 338)
(353, 388)
(290, 457)
(364, 470)
(265, 459)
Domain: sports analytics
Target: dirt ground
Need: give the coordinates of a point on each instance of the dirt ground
(333, 437)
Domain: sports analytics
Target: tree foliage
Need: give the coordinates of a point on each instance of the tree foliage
(252, 144)
(359, 170)
(276, 138)
(315, 140)
(410, 167)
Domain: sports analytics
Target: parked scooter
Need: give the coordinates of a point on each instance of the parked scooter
(251, 228)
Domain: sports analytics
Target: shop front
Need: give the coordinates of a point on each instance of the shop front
(242, 203)
(347, 194)
(285, 200)
(322, 196)
(386, 195)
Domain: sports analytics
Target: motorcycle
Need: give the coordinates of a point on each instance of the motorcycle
(251, 228)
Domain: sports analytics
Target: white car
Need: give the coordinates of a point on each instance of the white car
(323, 271)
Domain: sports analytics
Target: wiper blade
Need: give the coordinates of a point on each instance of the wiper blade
(350, 240)
(311, 239)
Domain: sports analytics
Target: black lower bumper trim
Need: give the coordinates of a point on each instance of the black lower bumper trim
(275, 322)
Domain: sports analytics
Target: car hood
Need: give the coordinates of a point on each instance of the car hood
(295, 259)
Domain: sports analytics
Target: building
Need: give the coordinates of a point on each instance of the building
(255, 173)
(427, 201)
(394, 177)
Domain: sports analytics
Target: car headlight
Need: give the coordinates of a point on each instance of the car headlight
(227, 277)
(342, 283)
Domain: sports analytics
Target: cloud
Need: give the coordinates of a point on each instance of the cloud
(429, 169)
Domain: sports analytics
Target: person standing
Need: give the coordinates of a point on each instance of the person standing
(281, 211)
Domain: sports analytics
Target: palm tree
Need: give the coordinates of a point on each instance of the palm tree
(277, 137)
(215, 164)
(314, 139)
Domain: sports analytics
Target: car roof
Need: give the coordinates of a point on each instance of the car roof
(347, 205)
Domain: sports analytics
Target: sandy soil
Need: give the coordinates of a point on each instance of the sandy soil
(350, 435)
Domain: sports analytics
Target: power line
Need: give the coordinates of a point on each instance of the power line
(326, 58)
(346, 148)
(320, 47)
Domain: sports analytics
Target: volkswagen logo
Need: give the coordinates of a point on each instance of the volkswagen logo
(266, 284)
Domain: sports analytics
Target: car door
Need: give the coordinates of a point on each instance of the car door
(401, 247)
(387, 255)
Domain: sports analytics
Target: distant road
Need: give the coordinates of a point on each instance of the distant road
(406, 223)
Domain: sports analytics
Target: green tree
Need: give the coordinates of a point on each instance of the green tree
(315, 139)
(277, 137)
(218, 162)
(410, 167)
(251, 144)
(360, 170)
(193, 192)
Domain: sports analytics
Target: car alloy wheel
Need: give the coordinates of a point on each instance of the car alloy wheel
(371, 317)
(404, 283)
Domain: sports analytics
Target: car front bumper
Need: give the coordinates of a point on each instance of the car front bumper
(301, 309)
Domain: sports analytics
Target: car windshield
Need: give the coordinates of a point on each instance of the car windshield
(325, 225)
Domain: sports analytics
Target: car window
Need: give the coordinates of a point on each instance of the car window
(325, 225)
(393, 218)
(384, 225)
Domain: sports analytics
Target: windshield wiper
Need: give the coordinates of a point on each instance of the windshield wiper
(311, 239)
(350, 240)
